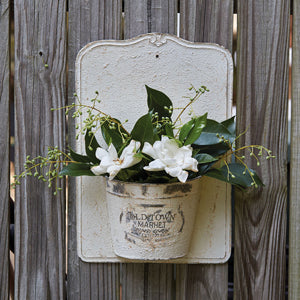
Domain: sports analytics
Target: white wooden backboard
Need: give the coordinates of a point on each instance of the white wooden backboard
(119, 70)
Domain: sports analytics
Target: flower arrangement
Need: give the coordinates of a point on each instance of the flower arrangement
(157, 150)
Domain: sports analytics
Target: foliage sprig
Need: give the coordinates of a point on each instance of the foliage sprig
(213, 145)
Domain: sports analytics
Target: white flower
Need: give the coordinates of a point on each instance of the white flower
(111, 163)
(169, 157)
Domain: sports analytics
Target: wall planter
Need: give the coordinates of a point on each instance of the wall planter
(152, 221)
(119, 70)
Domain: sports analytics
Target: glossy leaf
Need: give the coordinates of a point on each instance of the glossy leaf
(91, 146)
(78, 157)
(215, 150)
(143, 130)
(191, 131)
(77, 169)
(229, 124)
(210, 134)
(113, 135)
(240, 179)
(204, 158)
(157, 102)
(169, 130)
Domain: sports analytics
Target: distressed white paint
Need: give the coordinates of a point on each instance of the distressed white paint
(152, 221)
(119, 70)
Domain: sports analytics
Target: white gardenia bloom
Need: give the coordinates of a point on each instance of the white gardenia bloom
(170, 157)
(111, 163)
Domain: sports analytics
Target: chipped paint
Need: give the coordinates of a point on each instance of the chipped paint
(144, 227)
(183, 188)
(98, 66)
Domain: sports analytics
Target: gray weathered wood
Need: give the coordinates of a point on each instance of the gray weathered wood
(262, 94)
(160, 282)
(204, 21)
(207, 21)
(4, 148)
(88, 21)
(148, 281)
(201, 282)
(40, 38)
(144, 281)
(143, 16)
(294, 244)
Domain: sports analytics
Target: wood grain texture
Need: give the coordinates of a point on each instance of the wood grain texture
(294, 243)
(201, 281)
(147, 281)
(143, 16)
(88, 21)
(40, 38)
(207, 21)
(204, 21)
(4, 149)
(262, 94)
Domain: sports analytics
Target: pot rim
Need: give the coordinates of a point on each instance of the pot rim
(151, 183)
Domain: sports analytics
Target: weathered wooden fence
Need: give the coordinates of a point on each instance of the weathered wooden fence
(47, 32)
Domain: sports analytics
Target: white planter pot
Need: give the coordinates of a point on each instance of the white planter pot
(152, 221)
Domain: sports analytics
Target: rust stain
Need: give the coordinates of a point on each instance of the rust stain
(144, 190)
(119, 188)
(128, 238)
(152, 205)
(184, 188)
(182, 216)
(213, 209)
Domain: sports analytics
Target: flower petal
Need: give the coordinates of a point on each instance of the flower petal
(130, 161)
(113, 171)
(155, 165)
(131, 148)
(106, 161)
(99, 170)
(100, 153)
(112, 152)
(179, 173)
(190, 163)
(174, 172)
(149, 150)
(182, 177)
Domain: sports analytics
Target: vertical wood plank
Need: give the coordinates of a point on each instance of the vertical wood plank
(207, 21)
(4, 148)
(148, 281)
(143, 16)
(201, 281)
(88, 21)
(262, 94)
(294, 243)
(40, 38)
(204, 21)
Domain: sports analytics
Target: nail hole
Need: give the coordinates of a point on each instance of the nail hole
(157, 56)
(40, 53)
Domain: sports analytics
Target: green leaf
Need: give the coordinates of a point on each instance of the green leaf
(113, 135)
(157, 102)
(204, 158)
(229, 124)
(169, 130)
(210, 132)
(215, 150)
(78, 157)
(77, 169)
(192, 130)
(240, 179)
(143, 130)
(126, 174)
(91, 146)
